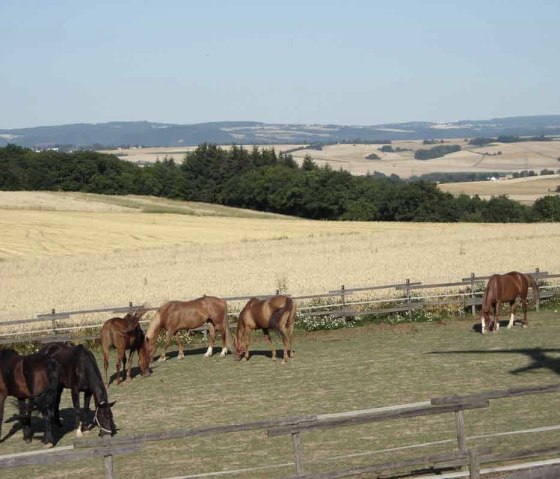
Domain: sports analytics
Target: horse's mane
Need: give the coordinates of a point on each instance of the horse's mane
(534, 285)
(92, 372)
(154, 326)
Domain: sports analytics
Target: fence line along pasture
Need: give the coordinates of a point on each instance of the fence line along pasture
(295, 427)
(336, 303)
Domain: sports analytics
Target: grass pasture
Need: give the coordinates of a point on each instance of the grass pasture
(335, 371)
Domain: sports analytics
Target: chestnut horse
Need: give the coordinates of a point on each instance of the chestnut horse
(186, 315)
(33, 380)
(79, 373)
(125, 334)
(277, 313)
(506, 288)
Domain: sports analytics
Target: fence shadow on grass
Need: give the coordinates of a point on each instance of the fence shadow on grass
(541, 358)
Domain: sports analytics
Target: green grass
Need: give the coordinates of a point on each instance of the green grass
(334, 371)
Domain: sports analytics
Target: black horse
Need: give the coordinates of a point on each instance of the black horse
(33, 381)
(79, 373)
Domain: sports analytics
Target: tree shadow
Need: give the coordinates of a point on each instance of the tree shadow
(540, 358)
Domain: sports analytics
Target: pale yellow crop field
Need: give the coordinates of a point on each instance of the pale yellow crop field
(529, 155)
(176, 153)
(524, 190)
(87, 259)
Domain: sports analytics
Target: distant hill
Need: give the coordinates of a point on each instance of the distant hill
(144, 133)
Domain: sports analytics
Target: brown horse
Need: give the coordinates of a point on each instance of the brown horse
(125, 334)
(33, 380)
(186, 315)
(506, 288)
(277, 313)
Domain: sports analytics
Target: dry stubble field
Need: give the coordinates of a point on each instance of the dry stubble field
(69, 253)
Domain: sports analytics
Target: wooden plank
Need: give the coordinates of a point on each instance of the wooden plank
(514, 392)
(63, 454)
(375, 416)
(516, 455)
(387, 466)
(182, 433)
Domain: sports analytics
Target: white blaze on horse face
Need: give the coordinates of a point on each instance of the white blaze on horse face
(511, 320)
(208, 352)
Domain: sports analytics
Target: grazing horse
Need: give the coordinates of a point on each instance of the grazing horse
(33, 380)
(79, 373)
(186, 315)
(277, 313)
(122, 334)
(506, 288)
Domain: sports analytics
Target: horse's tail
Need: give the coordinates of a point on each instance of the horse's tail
(279, 313)
(46, 398)
(535, 286)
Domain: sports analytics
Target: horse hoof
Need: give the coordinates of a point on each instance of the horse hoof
(161, 359)
(47, 445)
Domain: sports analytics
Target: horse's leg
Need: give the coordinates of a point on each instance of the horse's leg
(48, 420)
(211, 338)
(106, 364)
(512, 309)
(129, 370)
(285, 342)
(87, 400)
(291, 339)
(168, 337)
(25, 418)
(222, 330)
(77, 411)
(247, 343)
(497, 316)
(268, 339)
(121, 355)
(56, 411)
(524, 307)
(2, 400)
(180, 352)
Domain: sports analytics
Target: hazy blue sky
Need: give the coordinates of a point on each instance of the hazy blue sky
(301, 61)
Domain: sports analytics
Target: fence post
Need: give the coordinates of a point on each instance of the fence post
(473, 306)
(408, 296)
(298, 452)
(53, 321)
(474, 464)
(108, 466)
(460, 426)
(537, 273)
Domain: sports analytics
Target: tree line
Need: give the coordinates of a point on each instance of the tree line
(263, 180)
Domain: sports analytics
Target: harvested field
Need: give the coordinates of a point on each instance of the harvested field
(525, 190)
(336, 371)
(81, 260)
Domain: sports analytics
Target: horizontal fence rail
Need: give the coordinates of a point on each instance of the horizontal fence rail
(296, 426)
(338, 303)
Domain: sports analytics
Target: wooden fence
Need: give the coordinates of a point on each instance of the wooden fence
(295, 427)
(337, 303)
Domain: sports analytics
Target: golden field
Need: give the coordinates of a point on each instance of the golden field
(525, 190)
(55, 253)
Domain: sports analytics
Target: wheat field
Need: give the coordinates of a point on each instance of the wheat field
(64, 258)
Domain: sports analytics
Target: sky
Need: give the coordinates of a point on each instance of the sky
(349, 62)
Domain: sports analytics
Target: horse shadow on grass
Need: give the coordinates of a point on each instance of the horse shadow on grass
(67, 417)
(541, 358)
